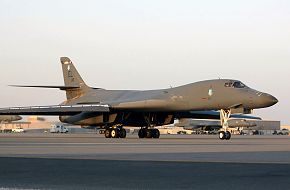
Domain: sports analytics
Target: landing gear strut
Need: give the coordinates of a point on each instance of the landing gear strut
(115, 132)
(149, 133)
(224, 116)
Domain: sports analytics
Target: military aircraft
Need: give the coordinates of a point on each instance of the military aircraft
(9, 118)
(113, 109)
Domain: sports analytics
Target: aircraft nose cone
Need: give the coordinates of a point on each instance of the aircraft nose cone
(269, 100)
(274, 100)
(17, 117)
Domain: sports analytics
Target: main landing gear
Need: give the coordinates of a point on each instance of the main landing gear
(148, 133)
(115, 132)
(224, 116)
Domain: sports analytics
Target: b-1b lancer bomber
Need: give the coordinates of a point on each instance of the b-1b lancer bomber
(113, 109)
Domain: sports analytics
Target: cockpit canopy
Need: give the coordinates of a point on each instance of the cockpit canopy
(235, 84)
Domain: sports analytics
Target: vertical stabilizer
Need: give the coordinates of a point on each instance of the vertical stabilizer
(72, 79)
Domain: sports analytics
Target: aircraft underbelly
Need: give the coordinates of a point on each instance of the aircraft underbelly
(123, 118)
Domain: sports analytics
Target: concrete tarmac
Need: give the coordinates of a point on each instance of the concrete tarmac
(89, 161)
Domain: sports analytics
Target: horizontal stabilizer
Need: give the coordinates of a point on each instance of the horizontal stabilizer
(55, 109)
(59, 87)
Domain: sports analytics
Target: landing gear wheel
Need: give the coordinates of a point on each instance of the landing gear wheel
(115, 133)
(108, 133)
(142, 133)
(155, 133)
(222, 135)
(228, 135)
(122, 133)
(148, 133)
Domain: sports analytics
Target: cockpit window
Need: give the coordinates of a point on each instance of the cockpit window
(228, 84)
(236, 84)
(239, 85)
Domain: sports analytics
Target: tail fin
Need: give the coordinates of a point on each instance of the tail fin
(72, 78)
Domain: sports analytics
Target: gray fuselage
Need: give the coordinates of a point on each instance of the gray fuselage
(204, 95)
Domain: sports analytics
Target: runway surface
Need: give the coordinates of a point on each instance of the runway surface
(89, 161)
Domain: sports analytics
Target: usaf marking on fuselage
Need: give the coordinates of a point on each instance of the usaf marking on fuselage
(113, 109)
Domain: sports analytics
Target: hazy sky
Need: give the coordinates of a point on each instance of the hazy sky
(129, 44)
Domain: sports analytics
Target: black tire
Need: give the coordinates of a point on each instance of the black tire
(142, 133)
(122, 133)
(228, 135)
(108, 133)
(148, 133)
(222, 135)
(155, 133)
(115, 133)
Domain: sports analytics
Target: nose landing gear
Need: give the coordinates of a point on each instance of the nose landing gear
(225, 135)
(224, 117)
